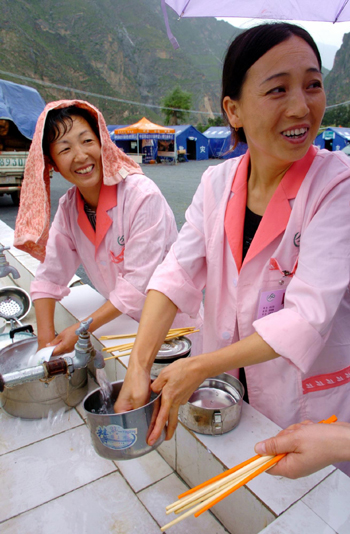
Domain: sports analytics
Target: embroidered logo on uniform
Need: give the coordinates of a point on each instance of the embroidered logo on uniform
(121, 240)
(296, 239)
(117, 259)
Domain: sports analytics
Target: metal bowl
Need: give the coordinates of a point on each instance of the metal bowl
(215, 407)
(120, 436)
(15, 303)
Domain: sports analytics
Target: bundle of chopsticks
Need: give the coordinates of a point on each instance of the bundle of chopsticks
(199, 499)
(125, 349)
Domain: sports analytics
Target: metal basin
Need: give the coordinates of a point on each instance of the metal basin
(215, 407)
(121, 436)
(34, 400)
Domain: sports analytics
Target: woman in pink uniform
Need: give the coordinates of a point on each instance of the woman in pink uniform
(268, 237)
(115, 221)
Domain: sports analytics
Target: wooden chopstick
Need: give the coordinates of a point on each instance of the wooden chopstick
(124, 336)
(202, 497)
(117, 356)
(128, 346)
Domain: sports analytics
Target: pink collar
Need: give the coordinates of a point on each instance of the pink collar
(107, 200)
(277, 213)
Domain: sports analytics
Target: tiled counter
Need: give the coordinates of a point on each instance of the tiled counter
(53, 481)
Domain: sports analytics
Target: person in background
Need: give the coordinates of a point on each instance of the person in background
(114, 220)
(268, 237)
(310, 447)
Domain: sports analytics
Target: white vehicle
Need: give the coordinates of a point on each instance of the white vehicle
(20, 107)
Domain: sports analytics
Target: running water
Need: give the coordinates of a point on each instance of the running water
(106, 392)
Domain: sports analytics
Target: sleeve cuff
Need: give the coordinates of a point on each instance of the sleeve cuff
(127, 298)
(171, 280)
(291, 337)
(47, 290)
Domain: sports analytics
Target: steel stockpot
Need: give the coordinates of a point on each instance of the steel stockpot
(215, 407)
(34, 400)
(120, 436)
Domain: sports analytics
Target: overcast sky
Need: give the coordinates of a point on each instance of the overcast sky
(322, 32)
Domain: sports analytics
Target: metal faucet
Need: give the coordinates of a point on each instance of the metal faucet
(5, 267)
(84, 353)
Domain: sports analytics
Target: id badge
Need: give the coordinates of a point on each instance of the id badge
(270, 301)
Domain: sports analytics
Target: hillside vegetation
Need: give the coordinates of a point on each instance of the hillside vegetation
(120, 49)
(117, 48)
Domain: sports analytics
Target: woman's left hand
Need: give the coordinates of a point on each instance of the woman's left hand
(177, 382)
(65, 341)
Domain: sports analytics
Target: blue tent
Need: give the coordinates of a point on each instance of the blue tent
(220, 145)
(192, 141)
(333, 138)
(22, 105)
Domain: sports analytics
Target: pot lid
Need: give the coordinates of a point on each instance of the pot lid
(176, 348)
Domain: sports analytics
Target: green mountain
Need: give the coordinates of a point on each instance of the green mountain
(115, 48)
(337, 83)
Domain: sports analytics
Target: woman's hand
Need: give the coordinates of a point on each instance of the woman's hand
(136, 389)
(177, 382)
(65, 341)
(310, 447)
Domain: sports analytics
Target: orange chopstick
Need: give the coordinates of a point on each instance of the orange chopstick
(219, 477)
(260, 470)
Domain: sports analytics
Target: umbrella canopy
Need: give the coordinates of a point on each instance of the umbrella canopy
(315, 10)
(320, 10)
(144, 126)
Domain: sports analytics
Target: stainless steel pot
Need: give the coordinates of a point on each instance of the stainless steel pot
(215, 407)
(170, 352)
(34, 400)
(16, 334)
(121, 436)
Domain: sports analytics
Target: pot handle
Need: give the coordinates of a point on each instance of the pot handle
(216, 423)
(25, 328)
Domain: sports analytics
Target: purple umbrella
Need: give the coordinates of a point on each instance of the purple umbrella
(316, 10)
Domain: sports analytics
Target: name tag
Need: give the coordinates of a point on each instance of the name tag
(270, 302)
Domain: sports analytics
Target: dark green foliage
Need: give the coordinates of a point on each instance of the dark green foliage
(178, 100)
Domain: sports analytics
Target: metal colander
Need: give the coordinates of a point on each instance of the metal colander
(15, 303)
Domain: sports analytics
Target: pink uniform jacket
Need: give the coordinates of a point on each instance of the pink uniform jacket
(135, 228)
(306, 232)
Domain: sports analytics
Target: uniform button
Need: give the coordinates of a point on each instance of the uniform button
(235, 282)
(226, 335)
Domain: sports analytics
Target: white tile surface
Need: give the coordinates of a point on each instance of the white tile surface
(165, 492)
(144, 471)
(48, 469)
(167, 450)
(299, 519)
(331, 501)
(17, 433)
(195, 464)
(106, 506)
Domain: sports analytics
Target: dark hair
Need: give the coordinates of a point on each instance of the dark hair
(250, 46)
(62, 117)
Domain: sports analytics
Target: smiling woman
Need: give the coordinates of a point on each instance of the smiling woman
(114, 221)
(268, 237)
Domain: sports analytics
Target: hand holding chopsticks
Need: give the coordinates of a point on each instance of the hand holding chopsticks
(202, 497)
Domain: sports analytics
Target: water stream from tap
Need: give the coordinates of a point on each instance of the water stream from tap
(106, 392)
